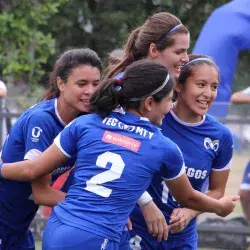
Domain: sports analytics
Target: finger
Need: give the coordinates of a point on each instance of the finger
(236, 198)
(174, 219)
(165, 231)
(160, 231)
(177, 230)
(155, 229)
(150, 227)
(129, 224)
(174, 213)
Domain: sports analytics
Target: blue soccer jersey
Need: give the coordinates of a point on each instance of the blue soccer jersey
(206, 146)
(117, 157)
(245, 184)
(32, 133)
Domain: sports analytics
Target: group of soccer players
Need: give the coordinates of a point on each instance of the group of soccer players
(119, 151)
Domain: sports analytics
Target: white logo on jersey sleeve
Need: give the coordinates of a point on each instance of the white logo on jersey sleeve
(36, 132)
(209, 144)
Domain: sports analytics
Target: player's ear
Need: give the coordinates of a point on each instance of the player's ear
(153, 51)
(60, 84)
(148, 103)
(178, 87)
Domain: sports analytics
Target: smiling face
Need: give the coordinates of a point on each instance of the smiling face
(80, 86)
(157, 110)
(175, 56)
(199, 91)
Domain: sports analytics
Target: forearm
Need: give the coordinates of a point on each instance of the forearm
(49, 197)
(202, 203)
(19, 171)
(215, 194)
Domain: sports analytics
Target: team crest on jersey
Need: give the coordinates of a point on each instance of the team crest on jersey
(36, 132)
(209, 144)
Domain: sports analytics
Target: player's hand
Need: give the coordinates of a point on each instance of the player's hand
(228, 204)
(180, 218)
(155, 221)
(129, 224)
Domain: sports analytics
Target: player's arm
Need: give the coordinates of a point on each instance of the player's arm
(44, 194)
(30, 170)
(154, 218)
(241, 97)
(180, 217)
(186, 196)
(179, 185)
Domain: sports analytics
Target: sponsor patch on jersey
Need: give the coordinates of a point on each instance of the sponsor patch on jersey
(121, 140)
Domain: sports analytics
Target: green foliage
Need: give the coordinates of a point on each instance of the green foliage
(34, 32)
(24, 46)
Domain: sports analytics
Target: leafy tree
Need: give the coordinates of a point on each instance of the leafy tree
(24, 47)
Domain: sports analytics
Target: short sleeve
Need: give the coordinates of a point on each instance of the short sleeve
(39, 134)
(224, 153)
(67, 140)
(247, 91)
(173, 163)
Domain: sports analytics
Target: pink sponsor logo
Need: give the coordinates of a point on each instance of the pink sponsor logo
(121, 140)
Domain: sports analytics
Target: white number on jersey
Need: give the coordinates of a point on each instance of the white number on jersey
(135, 243)
(115, 172)
(165, 193)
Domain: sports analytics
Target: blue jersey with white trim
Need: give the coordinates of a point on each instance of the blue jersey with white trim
(245, 184)
(206, 146)
(117, 157)
(33, 132)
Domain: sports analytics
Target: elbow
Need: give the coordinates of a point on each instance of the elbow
(37, 199)
(234, 99)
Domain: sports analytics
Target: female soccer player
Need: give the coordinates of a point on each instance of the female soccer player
(117, 156)
(162, 38)
(207, 147)
(75, 77)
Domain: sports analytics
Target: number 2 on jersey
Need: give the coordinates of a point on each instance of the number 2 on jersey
(115, 172)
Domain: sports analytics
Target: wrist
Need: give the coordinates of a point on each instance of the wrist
(219, 208)
(144, 199)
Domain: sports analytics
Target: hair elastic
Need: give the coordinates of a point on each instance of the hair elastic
(170, 31)
(200, 59)
(152, 93)
(119, 84)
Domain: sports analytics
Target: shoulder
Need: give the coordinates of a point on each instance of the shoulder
(222, 129)
(40, 113)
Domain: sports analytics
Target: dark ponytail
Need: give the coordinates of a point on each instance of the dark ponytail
(107, 98)
(140, 80)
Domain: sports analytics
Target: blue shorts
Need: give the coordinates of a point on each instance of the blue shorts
(124, 243)
(140, 241)
(24, 241)
(59, 236)
(245, 184)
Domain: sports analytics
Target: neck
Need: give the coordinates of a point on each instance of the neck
(185, 114)
(135, 112)
(66, 112)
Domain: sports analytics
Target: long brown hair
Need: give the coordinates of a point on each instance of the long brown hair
(152, 31)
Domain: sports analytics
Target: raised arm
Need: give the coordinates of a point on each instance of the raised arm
(30, 170)
(241, 97)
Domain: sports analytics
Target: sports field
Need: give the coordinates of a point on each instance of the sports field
(238, 164)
